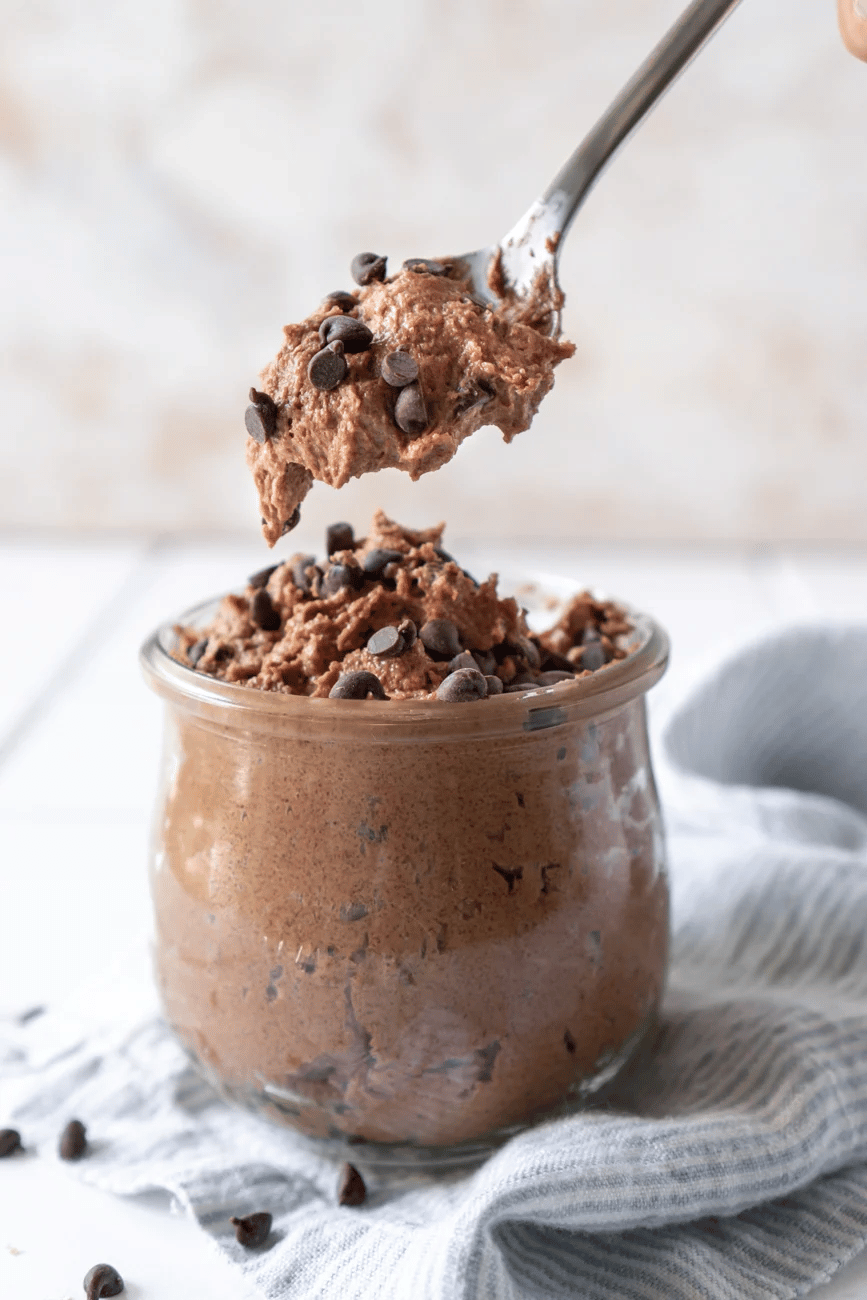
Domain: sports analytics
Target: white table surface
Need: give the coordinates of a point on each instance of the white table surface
(79, 744)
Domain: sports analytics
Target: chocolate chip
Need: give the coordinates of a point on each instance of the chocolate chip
(485, 662)
(463, 660)
(376, 560)
(263, 613)
(410, 412)
(551, 661)
(260, 417)
(386, 643)
(424, 266)
(593, 656)
(328, 367)
(340, 298)
(73, 1141)
(367, 267)
(461, 687)
(260, 579)
(102, 1280)
(339, 537)
(408, 631)
(553, 676)
(337, 577)
(353, 334)
(196, 650)
(495, 686)
(513, 687)
(357, 686)
(350, 1188)
(292, 522)
(300, 576)
(589, 635)
(439, 636)
(251, 1230)
(399, 369)
(10, 1142)
(529, 650)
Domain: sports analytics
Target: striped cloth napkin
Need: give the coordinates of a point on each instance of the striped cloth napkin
(730, 1162)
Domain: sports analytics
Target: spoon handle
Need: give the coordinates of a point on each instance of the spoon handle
(663, 65)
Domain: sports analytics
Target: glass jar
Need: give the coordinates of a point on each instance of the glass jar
(412, 924)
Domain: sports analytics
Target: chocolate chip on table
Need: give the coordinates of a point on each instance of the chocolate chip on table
(196, 650)
(593, 656)
(376, 560)
(463, 686)
(350, 1187)
(353, 334)
(328, 368)
(439, 636)
(410, 412)
(424, 266)
(260, 578)
(73, 1141)
(339, 537)
(102, 1280)
(386, 643)
(357, 686)
(251, 1230)
(260, 417)
(367, 267)
(495, 685)
(10, 1142)
(340, 298)
(263, 612)
(399, 368)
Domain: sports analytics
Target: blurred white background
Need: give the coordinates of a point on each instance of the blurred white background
(180, 178)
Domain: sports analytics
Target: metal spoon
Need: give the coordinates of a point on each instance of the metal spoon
(518, 276)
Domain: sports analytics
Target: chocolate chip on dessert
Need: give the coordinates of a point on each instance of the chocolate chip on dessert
(513, 687)
(551, 661)
(337, 577)
(553, 676)
(350, 1188)
(196, 650)
(410, 412)
(593, 656)
(328, 367)
(10, 1142)
(485, 662)
(357, 686)
(102, 1280)
(439, 636)
(367, 267)
(424, 266)
(387, 643)
(376, 560)
(399, 369)
(339, 537)
(529, 650)
(408, 631)
(463, 660)
(495, 686)
(353, 334)
(461, 687)
(260, 417)
(73, 1141)
(263, 613)
(292, 522)
(260, 578)
(251, 1230)
(300, 576)
(340, 298)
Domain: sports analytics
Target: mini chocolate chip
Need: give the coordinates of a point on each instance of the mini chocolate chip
(300, 565)
(260, 417)
(399, 369)
(260, 579)
(102, 1280)
(551, 660)
(327, 368)
(515, 686)
(376, 560)
(408, 631)
(10, 1142)
(340, 298)
(553, 676)
(529, 650)
(593, 656)
(439, 636)
(461, 687)
(337, 577)
(350, 1188)
(353, 334)
(495, 686)
(485, 662)
(463, 660)
(196, 650)
(424, 266)
(339, 537)
(73, 1141)
(251, 1230)
(292, 522)
(387, 643)
(367, 267)
(524, 679)
(263, 613)
(445, 555)
(410, 412)
(357, 686)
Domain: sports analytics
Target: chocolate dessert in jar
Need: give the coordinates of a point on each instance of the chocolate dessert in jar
(408, 866)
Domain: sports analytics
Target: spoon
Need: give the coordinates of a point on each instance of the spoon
(518, 276)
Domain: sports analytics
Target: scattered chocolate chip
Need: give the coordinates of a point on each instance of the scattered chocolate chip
(300, 576)
(339, 537)
(251, 1230)
(472, 393)
(529, 650)
(424, 266)
(553, 676)
(391, 570)
(357, 686)
(337, 577)
(551, 660)
(263, 613)
(387, 643)
(376, 560)
(260, 579)
(102, 1280)
(593, 656)
(463, 660)
(10, 1142)
(485, 662)
(439, 636)
(410, 412)
(292, 522)
(399, 369)
(367, 267)
(461, 687)
(353, 334)
(445, 555)
(495, 686)
(196, 650)
(340, 298)
(260, 417)
(73, 1141)
(328, 367)
(350, 1188)
(408, 631)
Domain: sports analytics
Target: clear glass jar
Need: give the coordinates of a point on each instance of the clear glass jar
(416, 925)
